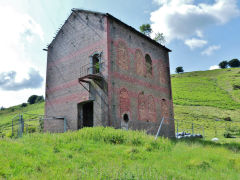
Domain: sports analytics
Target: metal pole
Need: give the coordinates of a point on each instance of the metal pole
(158, 132)
(21, 125)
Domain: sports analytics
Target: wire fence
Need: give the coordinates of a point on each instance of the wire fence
(25, 123)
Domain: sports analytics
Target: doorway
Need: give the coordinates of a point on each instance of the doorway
(85, 117)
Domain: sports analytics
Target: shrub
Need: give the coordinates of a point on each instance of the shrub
(227, 119)
(24, 105)
(236, 86)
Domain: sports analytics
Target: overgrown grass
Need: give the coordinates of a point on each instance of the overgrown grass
(106, 153)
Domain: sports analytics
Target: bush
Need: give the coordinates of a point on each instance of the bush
(234, 63)
(223, 64)
(24, 105)
(227, 119)
(236, 86)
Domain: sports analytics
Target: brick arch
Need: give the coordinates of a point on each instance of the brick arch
(139, 58)
(122, 55)
(151, 109)
(142, 107)
(165, 110)
(124, 101)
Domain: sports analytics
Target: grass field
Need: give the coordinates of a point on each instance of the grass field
(206, 98)
(106, 153)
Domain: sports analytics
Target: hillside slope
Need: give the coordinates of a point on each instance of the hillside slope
(106, 153)
(206, 98)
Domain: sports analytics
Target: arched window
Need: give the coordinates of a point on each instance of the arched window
(148, 62)
(122, 55)
(139, 58)
(124, 102)
(96, 63)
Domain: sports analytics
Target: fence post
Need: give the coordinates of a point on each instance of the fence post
(65, 124)
(21, 125)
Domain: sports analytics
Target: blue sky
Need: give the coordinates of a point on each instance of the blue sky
(200, 33)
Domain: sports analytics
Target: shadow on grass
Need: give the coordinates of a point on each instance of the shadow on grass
(235, 147)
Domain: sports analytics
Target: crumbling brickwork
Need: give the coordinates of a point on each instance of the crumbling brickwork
(134, 91)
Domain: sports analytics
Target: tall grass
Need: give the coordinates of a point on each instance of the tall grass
(106, 153)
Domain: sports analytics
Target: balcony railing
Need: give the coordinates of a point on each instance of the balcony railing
(88, 70)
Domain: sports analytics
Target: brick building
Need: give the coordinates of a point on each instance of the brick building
(102, 72)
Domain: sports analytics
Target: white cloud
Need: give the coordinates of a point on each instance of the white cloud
(195, 43)
(210, 50)
(214, 67)
(181, 19)
(199, 33)
(17, 33)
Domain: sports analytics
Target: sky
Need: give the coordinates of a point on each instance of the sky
(200, 33)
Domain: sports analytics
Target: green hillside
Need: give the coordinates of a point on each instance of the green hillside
(207, 98)
(204, 98)
(106, 153)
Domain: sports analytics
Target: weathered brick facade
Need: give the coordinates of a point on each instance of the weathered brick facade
(135, 89)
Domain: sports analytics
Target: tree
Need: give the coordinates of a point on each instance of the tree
(40, 99)
(179, 69)
(2, 108)
(32, 99)
(223, 64)
(35, 99)
(146, 29)
(159, 37)
(234, 63)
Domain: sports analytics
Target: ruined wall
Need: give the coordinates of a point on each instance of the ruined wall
(145, 97)
(82, 35)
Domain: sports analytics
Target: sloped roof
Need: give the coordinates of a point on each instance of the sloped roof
(127, 26)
